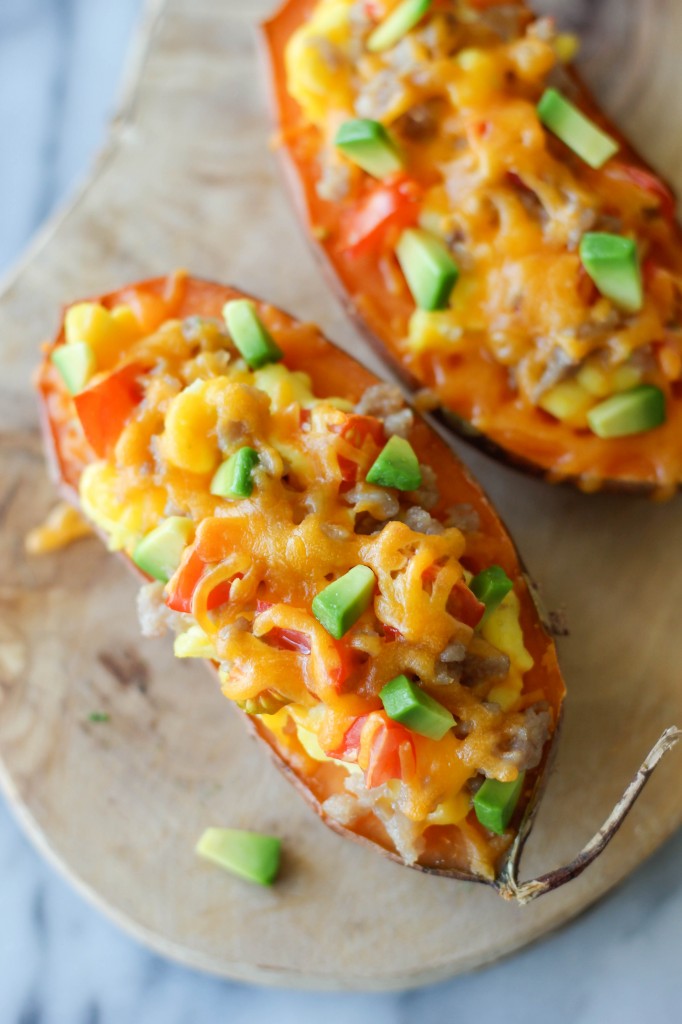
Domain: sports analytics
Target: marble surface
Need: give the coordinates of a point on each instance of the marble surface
(61, 962)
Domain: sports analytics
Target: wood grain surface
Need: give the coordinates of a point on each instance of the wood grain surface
(187, 180)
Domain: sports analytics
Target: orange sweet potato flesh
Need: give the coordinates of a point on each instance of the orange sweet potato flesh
(514, 432)
(328, 366)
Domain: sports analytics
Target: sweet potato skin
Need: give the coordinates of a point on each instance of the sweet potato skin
(300, 182)
(328, 365)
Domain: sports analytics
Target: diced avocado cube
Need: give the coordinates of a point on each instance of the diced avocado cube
(491, 587)
(76, 364)
(495, 802)
(613, 264)
(234, 478)
(429, 268)
(396, 465)
(249, 333)
(369, 145)
(160, 552)
(250, 855)
(406, 703)
(630, 412)
(397, 24)
(575, 129)
(341, 604)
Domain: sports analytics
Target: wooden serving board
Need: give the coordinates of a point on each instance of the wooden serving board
(187, 180)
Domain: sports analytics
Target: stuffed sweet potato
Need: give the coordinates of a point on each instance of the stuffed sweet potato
(498, 242)
(300, 529)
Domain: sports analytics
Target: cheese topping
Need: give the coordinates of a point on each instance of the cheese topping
(242, 587)
(527, 344)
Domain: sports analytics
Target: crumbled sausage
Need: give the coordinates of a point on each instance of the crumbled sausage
(154, 615)
(428, 494)
(379, 95)
(419, 520)
(526, 736)
(399, 423)
(453, 652)
(464, 517)
(380, 400)
(483, 663)
(333, 184)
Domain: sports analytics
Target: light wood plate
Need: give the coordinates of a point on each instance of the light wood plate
(187, 180)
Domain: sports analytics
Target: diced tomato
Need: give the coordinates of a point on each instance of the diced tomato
(375, 221)
(391, 753)
(105, 408)
(295, 640)
(349, 469)
(221, 594)
(348, 660)
(650, 183)
(391, 633)
(349, 746)
(358, 431)
(187, 580)
(288, 640)
(586, 288)
(464, 606)
(284, 639)
(358, 428)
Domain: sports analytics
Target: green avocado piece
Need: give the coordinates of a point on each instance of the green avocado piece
(429, 268)
(250, 855)
(396, 465)
(406, 703)
(575, 129)
(613, 264)
(341, 604)
(249, 333)
(630, 412)
(495, 802)
(76, 364)
(397, 24)
(491, 587)
(234, 478)
(160, 552)
(369, 145)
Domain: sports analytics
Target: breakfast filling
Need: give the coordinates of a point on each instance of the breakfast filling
(300, 543)
(511, 253)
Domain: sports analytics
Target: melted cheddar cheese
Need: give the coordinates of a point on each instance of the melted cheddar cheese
(526, 346)
(252, 566)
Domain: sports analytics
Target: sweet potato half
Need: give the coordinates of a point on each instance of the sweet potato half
(527, 346)
(117, 423)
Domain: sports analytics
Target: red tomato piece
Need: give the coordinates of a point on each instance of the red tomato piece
(348, 660)
(391, 750)
(288, 640)
(284, 639)
(357, 429)
(464, 606)
(391, 633)
(221, 594)
(372, 223)
(349, 746)
(186, 581)
(105, 408)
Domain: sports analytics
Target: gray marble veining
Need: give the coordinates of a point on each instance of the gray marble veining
(61, 962)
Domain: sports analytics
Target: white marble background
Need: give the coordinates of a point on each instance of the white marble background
(60, 961)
